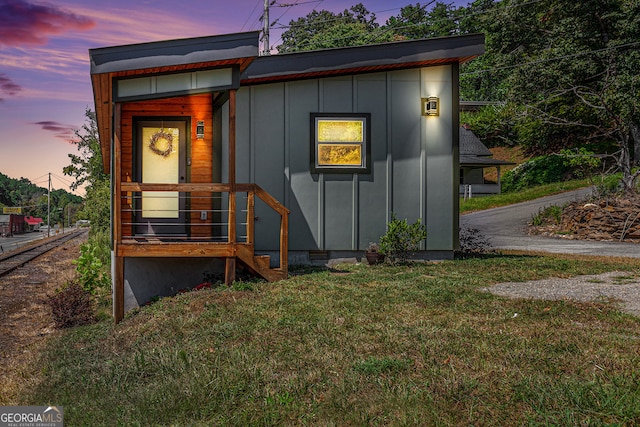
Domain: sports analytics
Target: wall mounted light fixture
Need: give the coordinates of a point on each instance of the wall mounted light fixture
(431, 106)
(200, 129)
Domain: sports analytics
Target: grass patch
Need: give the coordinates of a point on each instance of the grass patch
(550, 215)
(504, 199)
(383, 345)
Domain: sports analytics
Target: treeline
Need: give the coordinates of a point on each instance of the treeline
(33, 200)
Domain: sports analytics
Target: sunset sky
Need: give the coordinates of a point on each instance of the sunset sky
(45, 86)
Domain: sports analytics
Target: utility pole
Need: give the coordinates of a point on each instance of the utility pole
(266, 50)
(49, 208)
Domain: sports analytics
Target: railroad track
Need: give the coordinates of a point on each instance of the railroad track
(16, 259)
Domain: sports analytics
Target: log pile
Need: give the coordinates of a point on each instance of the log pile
(611, 219)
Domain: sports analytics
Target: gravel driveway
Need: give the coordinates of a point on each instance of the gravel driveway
(620, 288)
(506, 228)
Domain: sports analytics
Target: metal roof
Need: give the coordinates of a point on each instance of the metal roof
(358, 59)
(174, 52)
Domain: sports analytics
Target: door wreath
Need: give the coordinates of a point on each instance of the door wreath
(156, 137)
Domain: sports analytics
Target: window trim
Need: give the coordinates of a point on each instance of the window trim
(365, 167)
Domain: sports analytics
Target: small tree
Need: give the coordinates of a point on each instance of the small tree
(401, 239)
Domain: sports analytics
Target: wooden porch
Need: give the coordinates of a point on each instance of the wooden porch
(236, 245)
(227, 228)
(186, 85)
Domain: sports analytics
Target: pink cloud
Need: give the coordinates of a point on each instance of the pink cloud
(8, 87)
(62, 131)
(25, 23)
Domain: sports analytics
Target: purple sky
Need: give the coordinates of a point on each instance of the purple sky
(44, 63)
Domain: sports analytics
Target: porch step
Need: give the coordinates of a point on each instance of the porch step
(260, 265)
(264, 261)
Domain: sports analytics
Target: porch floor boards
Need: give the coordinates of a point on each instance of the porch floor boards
(244, 252)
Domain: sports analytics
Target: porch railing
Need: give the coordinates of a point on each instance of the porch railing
(205, 214)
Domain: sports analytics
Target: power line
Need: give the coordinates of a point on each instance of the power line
(65, 180)
(250, 14)
(41, 176)
(317, 2)
(267, 25)
(288, 7)
(376, 33)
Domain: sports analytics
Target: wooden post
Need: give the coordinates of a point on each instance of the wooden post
(118, 288)
(251, 216)
(229, 271)
(117, 177)
(284, 242)
(230, 262)
(118, 280)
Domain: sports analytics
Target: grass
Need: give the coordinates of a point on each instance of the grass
(549, 215)
(504, 199)
(383, 345)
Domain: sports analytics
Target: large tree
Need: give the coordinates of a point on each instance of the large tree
(418, 22)
(573, 72)
(324, 29)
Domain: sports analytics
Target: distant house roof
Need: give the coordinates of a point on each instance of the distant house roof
(473, 153)
(31, 220)
(477, 105)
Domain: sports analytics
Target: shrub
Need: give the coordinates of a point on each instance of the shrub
(568, 164)
(472, 243)
(550, 215)
(537, 171)
(583, 162)
(72, 306)
(401, 239)
(92, 273)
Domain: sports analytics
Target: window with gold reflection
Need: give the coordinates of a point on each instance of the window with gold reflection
(340, 143)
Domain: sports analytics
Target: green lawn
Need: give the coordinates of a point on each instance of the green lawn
(417, 345)
(487, 202)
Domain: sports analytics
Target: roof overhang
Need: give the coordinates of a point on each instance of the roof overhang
(482, 162)
(364, 59)
(183, 54)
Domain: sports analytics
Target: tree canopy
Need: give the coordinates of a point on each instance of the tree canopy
(86, 168)
(568, 73)
(34, 200)
(323, 29)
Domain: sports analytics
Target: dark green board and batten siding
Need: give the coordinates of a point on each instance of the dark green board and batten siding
(414, 158)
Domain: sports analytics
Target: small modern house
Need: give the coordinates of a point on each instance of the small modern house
(221, 159)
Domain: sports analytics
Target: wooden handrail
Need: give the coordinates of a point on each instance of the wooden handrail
(251, 189)
(284, 224)
(186, 188)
